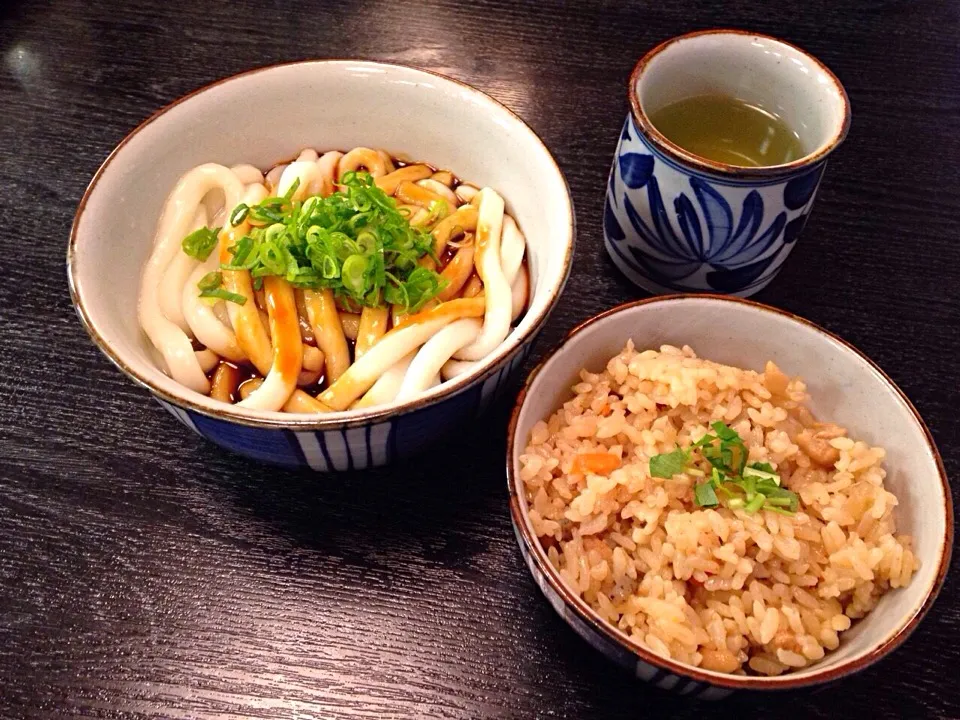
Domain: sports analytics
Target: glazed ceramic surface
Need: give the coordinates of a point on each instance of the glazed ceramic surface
(326, 105)
(677, 222)
(845, 387)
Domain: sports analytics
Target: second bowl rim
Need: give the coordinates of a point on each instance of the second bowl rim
(299, 421)
(588, 615)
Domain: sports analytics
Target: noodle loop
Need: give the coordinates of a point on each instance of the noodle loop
(352, 276)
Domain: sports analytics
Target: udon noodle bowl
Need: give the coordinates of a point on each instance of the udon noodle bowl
(334, 282)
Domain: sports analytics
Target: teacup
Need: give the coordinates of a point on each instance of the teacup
(674, 221)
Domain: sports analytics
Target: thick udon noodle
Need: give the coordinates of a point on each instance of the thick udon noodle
(304, 350)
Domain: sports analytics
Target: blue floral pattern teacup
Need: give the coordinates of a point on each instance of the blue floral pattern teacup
(674, 221)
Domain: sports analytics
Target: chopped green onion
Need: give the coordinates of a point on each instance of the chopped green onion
(239, 214)
(200, 243)
(766, 486)
(420, 286)
(724, 432)
(757, 473)
(755, 504)
(329, 269)
(367, 242)
(705, 496)
(265, 213)
(783, 498)
(210, 281)
(724, 450)
(779, 501)
(355, 242)
(271, 256)
(352, 272)
(292, 189)
(732, 482)
(221, 294)
(241, 251)
(669, 464)
(716, 477)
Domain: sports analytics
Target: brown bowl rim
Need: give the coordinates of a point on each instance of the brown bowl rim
(589, 616)
(672, 150)
(335, 421)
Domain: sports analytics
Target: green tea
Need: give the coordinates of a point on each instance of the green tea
(727, 130)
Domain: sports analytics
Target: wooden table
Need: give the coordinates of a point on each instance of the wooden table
(143, 573)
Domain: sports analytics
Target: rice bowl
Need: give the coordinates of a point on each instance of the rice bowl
(713, 586)
(843, 387)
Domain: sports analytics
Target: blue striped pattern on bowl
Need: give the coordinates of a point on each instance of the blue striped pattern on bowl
(374, 444)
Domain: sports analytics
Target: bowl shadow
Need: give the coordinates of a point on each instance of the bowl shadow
(442, 506)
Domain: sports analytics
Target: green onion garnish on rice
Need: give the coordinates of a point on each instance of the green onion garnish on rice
(705, 495)
(731, 482)
(669, 464)
(760, 471)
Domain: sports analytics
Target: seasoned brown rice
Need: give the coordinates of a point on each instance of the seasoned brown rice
(724, 590)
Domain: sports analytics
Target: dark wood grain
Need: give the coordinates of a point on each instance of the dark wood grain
(143, 574)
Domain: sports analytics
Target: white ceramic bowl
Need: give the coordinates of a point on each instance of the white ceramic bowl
(267, 116)
(845, 387)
